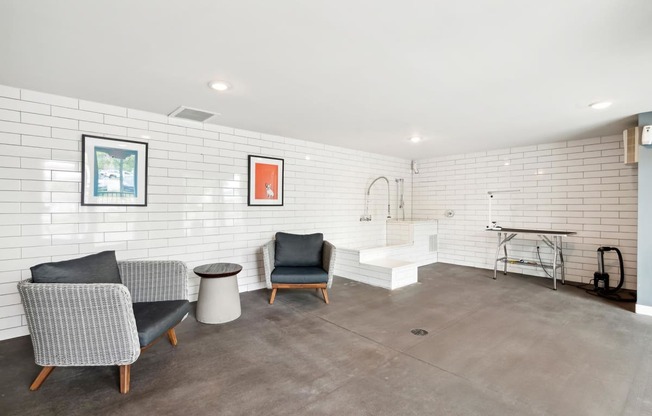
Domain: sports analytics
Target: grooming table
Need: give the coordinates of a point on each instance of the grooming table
(552, 238)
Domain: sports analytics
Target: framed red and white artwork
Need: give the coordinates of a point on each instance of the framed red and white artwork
(265, 181)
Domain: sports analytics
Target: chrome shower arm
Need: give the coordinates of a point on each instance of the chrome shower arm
(388, 191)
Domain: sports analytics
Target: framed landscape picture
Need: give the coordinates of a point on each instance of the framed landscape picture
(265, 181)
(114, 172)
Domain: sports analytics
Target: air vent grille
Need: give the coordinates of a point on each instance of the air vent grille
(193, 114)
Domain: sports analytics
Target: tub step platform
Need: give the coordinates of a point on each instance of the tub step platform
(389, 273)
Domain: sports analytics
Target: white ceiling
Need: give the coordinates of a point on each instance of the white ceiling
(466, 75)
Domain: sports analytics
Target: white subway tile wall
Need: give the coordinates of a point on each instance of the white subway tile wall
(197, 209)
(579, 185)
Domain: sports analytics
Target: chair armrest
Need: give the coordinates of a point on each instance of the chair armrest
(153, 281)
(268, 262)
(328, 261)
(76, 324)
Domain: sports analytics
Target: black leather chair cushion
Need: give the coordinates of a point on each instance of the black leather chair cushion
(96, 268)
(153, 319)
(299, 275)
(295, 250)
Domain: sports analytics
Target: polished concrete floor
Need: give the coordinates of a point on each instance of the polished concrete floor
(506, 347)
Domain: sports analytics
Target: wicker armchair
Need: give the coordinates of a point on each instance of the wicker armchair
(97, 324)
(292, 272)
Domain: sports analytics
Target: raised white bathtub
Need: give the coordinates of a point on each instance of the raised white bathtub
(408, 245)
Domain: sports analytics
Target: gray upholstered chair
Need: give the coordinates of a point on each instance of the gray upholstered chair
(293, 261)
(102, 324)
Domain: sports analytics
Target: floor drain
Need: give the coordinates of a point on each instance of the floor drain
(419, 332)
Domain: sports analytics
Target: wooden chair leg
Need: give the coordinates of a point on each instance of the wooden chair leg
(125, 378)
(172, 336)
(272, 297)
(45, 372)
(325, 293)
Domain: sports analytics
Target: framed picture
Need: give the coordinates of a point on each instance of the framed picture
(114, 172)
(265, 181)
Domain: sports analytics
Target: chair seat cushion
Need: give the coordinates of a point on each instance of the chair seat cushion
(96, 268)
(299, 275)
(153, 319)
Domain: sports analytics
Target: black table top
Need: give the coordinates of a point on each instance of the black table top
(532, 231)
(216, 270)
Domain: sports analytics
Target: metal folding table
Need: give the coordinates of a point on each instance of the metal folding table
(552, 238)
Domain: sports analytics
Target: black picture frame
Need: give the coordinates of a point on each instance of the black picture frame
(95, 182)
(257, 196)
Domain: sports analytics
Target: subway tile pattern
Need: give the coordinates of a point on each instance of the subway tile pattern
(579, 185)
(197, 209)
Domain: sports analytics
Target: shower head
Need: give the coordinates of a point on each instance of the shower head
(415, 169)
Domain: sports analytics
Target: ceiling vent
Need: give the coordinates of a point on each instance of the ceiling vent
(193, 114)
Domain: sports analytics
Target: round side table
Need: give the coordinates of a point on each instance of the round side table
(219, 297)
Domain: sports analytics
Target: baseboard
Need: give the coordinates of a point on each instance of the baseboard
(644, 309)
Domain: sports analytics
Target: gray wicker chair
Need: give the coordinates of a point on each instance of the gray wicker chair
(319, 277)
(94, 324)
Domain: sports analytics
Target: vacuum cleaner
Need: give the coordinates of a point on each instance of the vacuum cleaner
(601, 278)
(601, 285)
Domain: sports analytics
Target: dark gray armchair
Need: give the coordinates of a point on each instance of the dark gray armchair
(293, 261)
(95, 311)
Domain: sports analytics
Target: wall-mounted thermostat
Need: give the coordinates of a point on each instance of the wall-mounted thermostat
(646, 136)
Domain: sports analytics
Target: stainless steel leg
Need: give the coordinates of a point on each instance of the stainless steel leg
(554, 264)
(497, 255)
(505, 269)
(561, 260)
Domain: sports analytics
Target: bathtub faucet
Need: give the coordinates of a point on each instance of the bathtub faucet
(366, 216)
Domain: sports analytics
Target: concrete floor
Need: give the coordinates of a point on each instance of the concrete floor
(506, 347)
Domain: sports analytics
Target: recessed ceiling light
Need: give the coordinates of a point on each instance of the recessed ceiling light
(219, 85)
(415, 139)
(600, 105)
